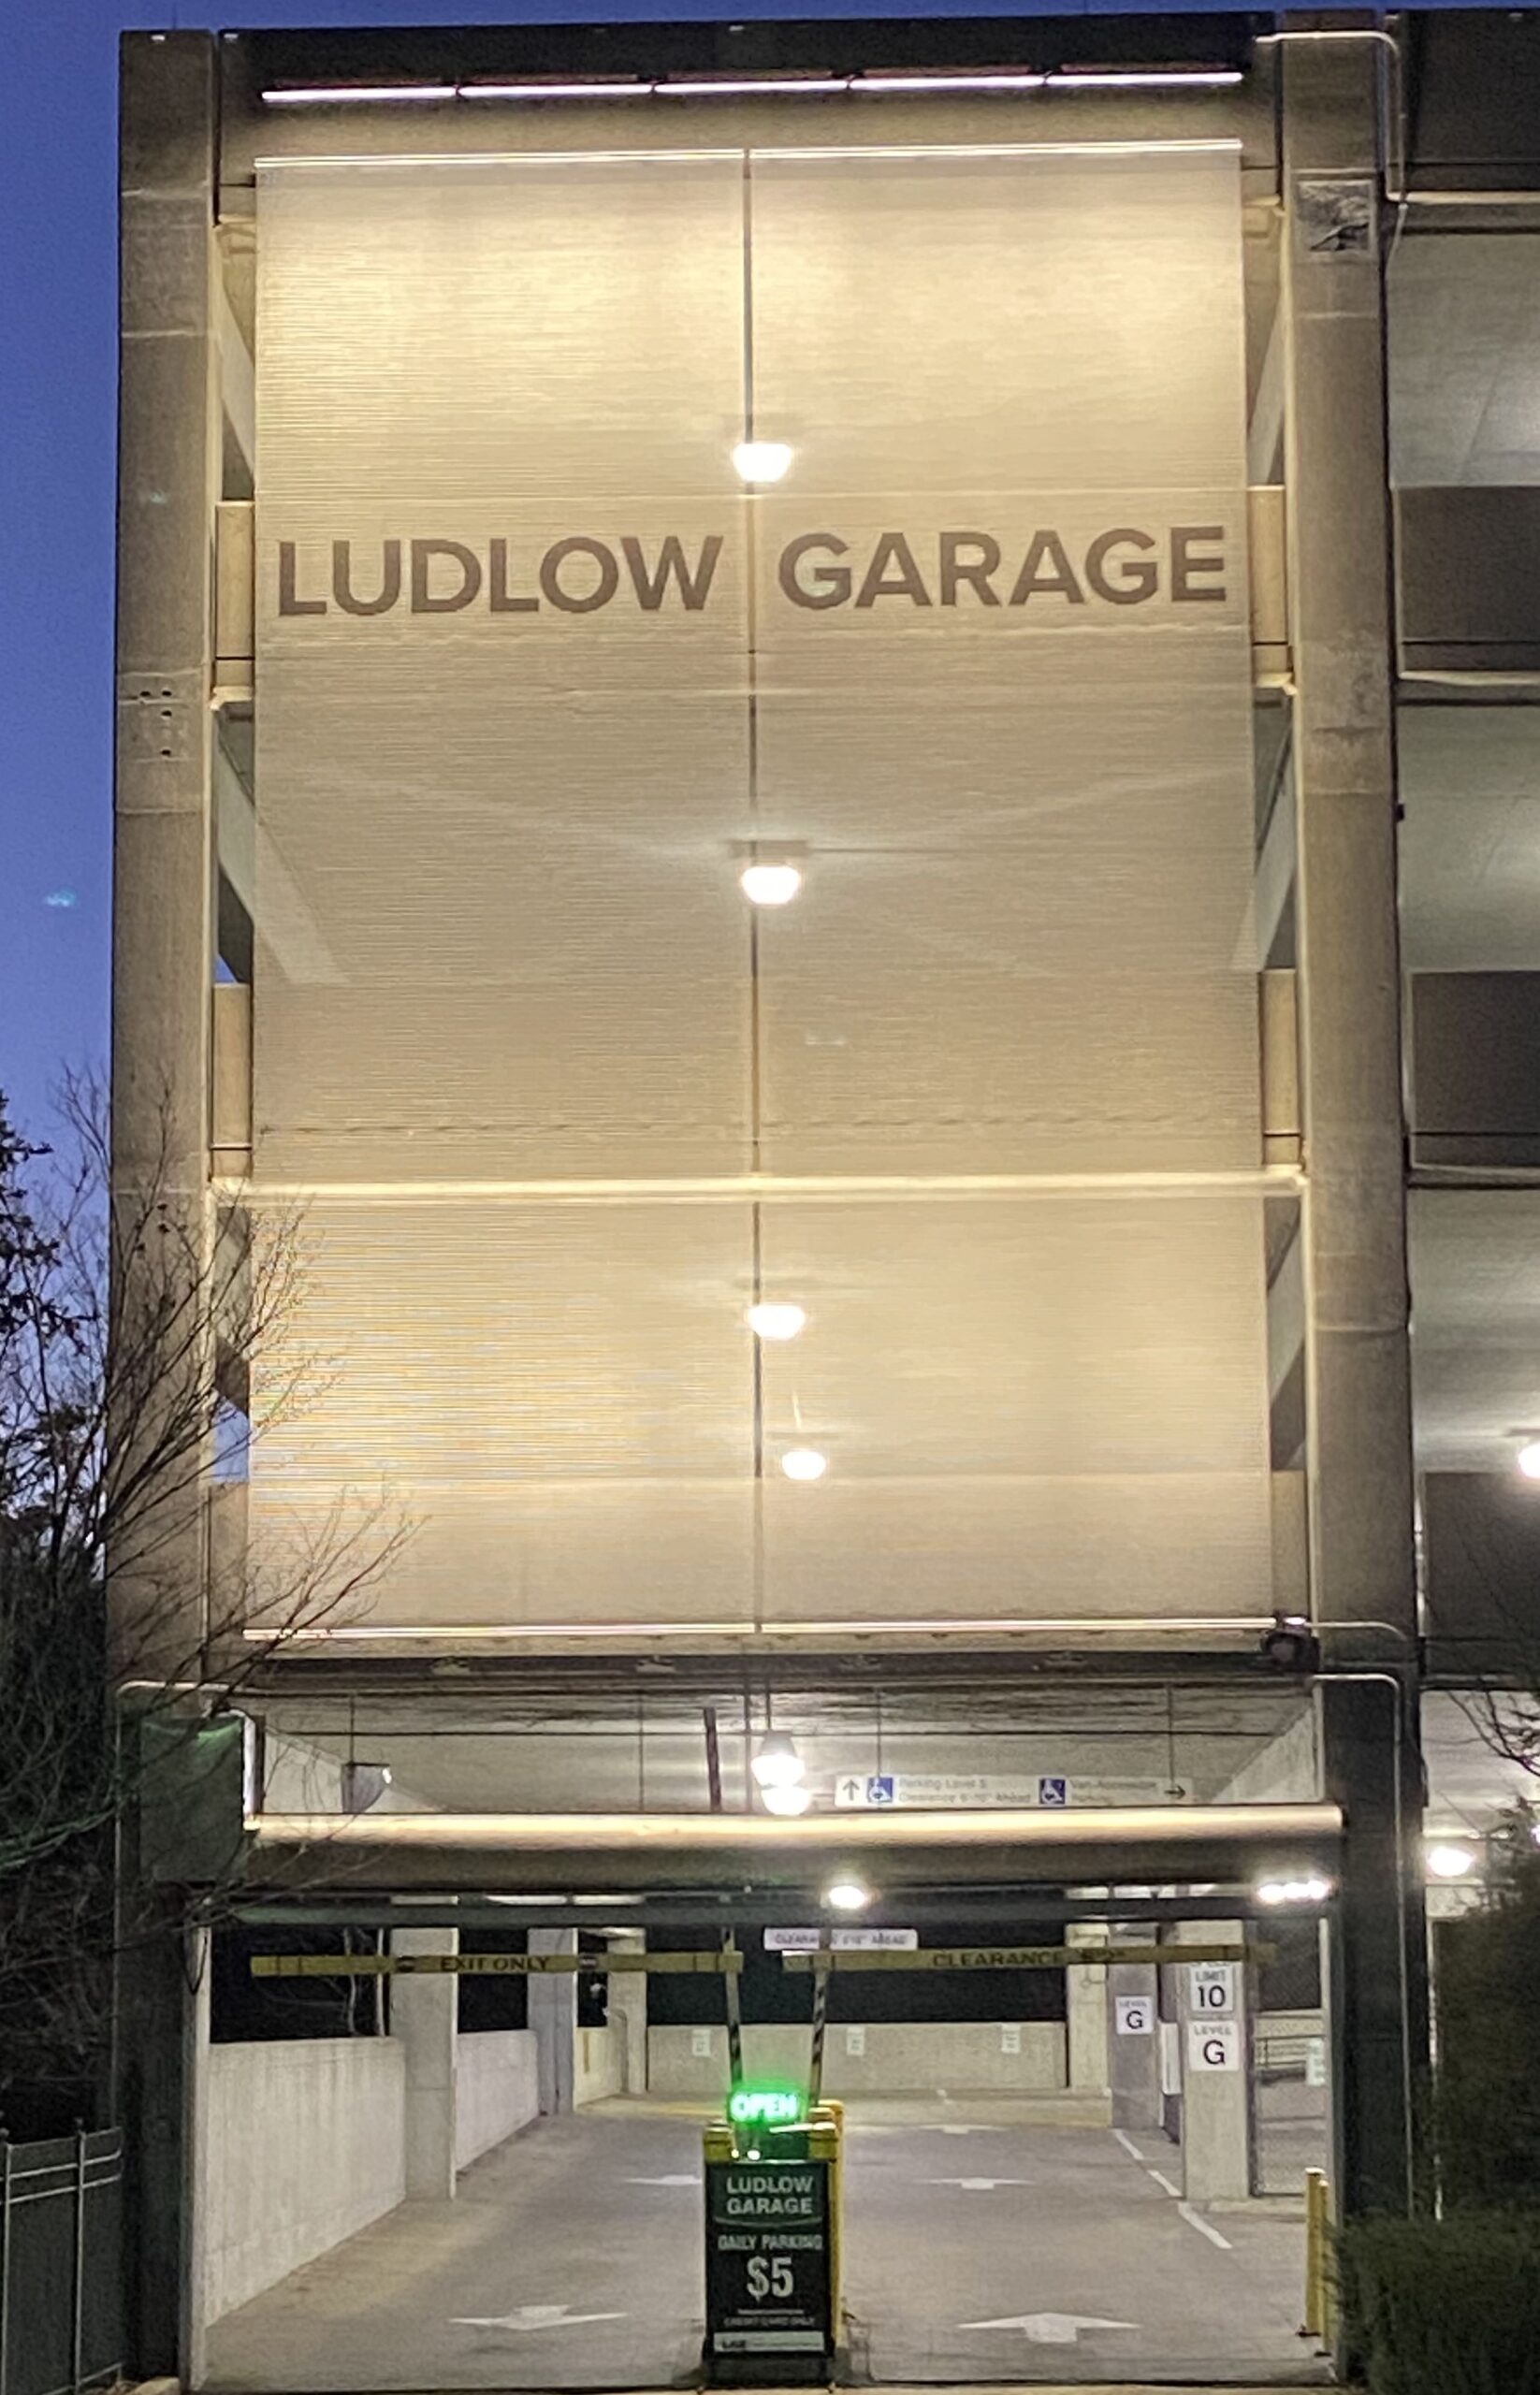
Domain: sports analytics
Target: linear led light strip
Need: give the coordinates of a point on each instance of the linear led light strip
(761, 87)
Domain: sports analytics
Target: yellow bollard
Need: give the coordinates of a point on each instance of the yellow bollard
(716, 2142)
(827, 2143)
(1318, 2289)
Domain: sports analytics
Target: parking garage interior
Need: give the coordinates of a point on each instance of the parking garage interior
(466, 2180)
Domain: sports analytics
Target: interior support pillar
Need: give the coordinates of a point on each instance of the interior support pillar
(1357, 1363)
(553, 2017)
(1215, 2076)
(1085, 2011)
(1133, 2043)
(424, 2016)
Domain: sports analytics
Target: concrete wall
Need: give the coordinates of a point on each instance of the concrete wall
(496, 2089)
(899, 2057)
(305, 2147)
(599, 2065)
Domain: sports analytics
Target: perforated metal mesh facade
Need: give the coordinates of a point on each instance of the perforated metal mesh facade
(566, 1104)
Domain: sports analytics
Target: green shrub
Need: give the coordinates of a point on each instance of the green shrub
(1443, 2307)
(1487, 2086)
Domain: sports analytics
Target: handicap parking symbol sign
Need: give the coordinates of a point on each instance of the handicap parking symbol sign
(879, 1788)
(1053, 1791)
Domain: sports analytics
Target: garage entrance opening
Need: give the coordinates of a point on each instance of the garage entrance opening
(1076, 2125)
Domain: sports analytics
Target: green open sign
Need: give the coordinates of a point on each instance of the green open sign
(764, 2107)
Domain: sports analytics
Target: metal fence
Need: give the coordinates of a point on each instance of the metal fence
(61, 2263)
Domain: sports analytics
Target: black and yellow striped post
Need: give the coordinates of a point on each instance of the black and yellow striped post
(821, 2019)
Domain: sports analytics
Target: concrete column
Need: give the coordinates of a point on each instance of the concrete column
(1356, 1355)
(160, 2034)
(628, 2013)
(169, 452)
(553, 2017)
(424, 2016)
(1085, 2012)
(1215, 2080)
(195, 2321)
(1134, 2055)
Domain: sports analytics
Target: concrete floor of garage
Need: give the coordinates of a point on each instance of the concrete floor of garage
(570, 2258)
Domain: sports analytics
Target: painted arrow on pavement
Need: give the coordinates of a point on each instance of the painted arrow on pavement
(982, 2187)
(1050, 2328)
(539, 2315)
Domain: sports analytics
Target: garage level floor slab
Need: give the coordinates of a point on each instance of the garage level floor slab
(984, 2246)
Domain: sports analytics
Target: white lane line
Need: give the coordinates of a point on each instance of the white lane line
(1161, 2180)
(1127, 2144)
(1204, 2227)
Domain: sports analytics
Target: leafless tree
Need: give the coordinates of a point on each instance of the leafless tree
(132, 1329)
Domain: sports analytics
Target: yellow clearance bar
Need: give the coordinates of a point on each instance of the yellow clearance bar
(1015, 1959)
(373, 1966)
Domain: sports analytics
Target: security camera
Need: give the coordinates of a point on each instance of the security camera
(1291, 1645)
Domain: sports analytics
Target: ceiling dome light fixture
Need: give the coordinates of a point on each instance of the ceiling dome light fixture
(1528, 1459)
(787, 1802)
(768, 1320)
(770, 885)
(803, 1463)
(1449, 1862)
(762, 461)
(777, 1764)
(846, 1895)
(1313, 1891)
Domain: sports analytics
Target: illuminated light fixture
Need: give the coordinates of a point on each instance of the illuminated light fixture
(803, 1463)
(1003, 82)
(1144, 78)
(1449, 1862)
(777, 87)
(762, 461)
(1528, 1459)
(770, 885)
(846, 1895)
(372, 95)
(1313, 1891)
(787, 87)
(787, 1802)
(773, 1321)
(557, 91)
(777, 1764)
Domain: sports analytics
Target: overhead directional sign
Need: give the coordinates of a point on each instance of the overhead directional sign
(713, 1960)
(1004, 1958)
(978, 1791)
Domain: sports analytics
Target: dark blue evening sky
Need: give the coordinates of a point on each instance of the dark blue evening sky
(57, 268)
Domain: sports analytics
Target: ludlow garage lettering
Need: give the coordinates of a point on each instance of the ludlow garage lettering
(1123, 566)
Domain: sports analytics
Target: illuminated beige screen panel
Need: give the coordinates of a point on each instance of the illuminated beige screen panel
(499, 935)
(501, 943)
(554, 1399)
(1051, 1404)
(1005, 685)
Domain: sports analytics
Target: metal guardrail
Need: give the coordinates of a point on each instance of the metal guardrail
(61, 2263)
